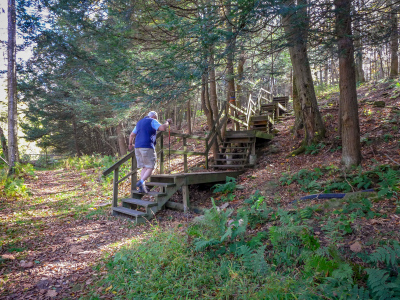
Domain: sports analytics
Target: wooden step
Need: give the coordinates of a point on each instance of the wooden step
(129, 212)
(150, 193)
(139, 202)
(230, 159)
(259, 118)
(228, 147)
(240, 134)
(161, 178)
(231, 166)
(163, 184)
(230, 153)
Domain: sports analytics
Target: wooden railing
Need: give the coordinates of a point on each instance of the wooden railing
(252, 108)
(210, 139)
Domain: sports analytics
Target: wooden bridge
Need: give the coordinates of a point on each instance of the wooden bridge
(236, 152)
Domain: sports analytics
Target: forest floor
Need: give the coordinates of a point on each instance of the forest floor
(51, 240)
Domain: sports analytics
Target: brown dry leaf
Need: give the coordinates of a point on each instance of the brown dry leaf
(51, 293)
(75, 249)
(8, 256)
(356, 247)
(26, 264)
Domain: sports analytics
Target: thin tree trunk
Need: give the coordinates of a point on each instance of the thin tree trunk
(348, 114)
(295, 23)
(230, 74)
(394, 43)
(12, 87)
(75, 128)
(121, 140)
(189, 117)
(240, 71)
(3, 143)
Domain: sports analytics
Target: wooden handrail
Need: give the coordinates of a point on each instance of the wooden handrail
(119, 163)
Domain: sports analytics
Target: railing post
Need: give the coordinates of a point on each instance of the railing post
(162, 153)
(185, 164)
(134, 174)
(115, 188)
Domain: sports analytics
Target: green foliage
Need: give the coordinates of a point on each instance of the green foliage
(314, 149)
(13, 185)
(255, 210)
(89, 162)
(225, 188)
(389, 183)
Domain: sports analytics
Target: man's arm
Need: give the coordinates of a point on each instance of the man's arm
(131, 140)
(164, 126)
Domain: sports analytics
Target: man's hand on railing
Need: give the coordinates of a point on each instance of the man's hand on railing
(131, 147)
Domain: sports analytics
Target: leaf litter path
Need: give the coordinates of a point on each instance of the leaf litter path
(51, 240)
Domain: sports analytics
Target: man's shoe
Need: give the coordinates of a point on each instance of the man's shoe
(142, 188)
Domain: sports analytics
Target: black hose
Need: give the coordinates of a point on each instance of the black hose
(326, 196)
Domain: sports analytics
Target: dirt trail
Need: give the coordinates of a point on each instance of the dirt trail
(54, 258)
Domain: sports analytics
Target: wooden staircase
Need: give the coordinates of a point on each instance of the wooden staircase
(236, 152)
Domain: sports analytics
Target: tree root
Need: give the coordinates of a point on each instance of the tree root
(298, 151)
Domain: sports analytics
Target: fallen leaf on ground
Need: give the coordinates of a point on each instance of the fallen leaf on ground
(356, 247)
(26, 264)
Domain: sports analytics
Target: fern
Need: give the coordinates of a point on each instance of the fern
(254, 261)
(387, 255)
(380, 288)
(201, 245)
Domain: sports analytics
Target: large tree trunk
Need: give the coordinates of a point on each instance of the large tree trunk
(348, 114)
(12, 87)
(213, 104)
(295, 22)
(298, 123)
(121, 140)
(394, 43)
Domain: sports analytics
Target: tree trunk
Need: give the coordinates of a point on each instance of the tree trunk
(394, 43)
(239, 88)
(3, 143)
(213, 87)
(298, 123)
(295, 23)
(75, 128)
(230, 73)
(348, 114)
(358, 48)
(189, 117)
(12, 87)
(121, 140)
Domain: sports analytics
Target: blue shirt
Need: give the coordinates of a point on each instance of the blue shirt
(146, 131)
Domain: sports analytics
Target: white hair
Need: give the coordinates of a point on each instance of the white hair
(152, 114)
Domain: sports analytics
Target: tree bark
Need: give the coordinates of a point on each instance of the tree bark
(121, 140)
(75, 128)
(189, 117)
(298, 123)
(12, 87)
(240, 71)
(348, 113)
(230, 73)
(3, 143)
(295, 23)
(394, 43)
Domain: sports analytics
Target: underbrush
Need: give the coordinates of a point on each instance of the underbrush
(258, 252)
(384, 179)
(14, 185)
(89, 162)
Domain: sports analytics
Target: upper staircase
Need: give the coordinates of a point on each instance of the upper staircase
(236, 152)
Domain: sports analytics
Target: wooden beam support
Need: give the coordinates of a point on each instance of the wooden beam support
(186, 199)
(115, 187)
